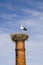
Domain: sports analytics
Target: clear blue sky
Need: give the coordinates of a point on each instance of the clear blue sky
(30, 14)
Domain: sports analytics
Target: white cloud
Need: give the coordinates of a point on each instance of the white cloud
(6, 49)
(34, 51)
(34, 46)
(32, 12)
(9, 16)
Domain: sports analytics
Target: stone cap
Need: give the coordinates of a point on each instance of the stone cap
(19, 37)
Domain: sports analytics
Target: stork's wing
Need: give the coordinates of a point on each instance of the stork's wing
(25, 29)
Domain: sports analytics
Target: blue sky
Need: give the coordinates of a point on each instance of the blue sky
(30, 14)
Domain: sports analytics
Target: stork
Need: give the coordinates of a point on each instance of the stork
(23, 28)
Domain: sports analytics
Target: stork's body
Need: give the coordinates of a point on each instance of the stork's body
(23, 28)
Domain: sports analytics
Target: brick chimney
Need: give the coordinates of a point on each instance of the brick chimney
(20, 47)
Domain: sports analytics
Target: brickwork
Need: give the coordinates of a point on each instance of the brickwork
(20, 53)
(20, 48)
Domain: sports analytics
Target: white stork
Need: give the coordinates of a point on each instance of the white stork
(23, 28)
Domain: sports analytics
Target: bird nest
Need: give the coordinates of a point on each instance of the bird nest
(17, 37)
